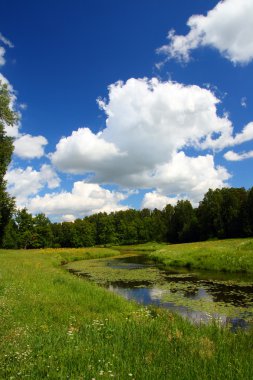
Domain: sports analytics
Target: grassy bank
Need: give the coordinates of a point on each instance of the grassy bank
(66, 255)
(57, 326)
(234, 255)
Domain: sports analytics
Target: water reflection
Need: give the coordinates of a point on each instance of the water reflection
(153, 296)
(201, 286)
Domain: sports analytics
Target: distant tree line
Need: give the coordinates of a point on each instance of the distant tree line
(223, 213)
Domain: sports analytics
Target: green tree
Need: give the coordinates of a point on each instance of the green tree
(210, 215)
(10, 240)
(86, 233)
(158, 227)
(168, 213)
(43, 231)
(233, 212)
(7, 117)
(184, 223)
(25, 228)
(249, 207)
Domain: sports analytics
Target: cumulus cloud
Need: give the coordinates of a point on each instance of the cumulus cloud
(184, 177)
(245, 135)
(83, 151)
(192, 174)
(227, 27)
(149, 124)
(84, 199)
(154, 200)
(24, 183)
(233, 156)
(28, 147)
(147, 121)
(218, 140)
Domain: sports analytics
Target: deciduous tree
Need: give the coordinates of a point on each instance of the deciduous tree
(7, 117)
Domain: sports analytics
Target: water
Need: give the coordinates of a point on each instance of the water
(185, 287)
(199, 296)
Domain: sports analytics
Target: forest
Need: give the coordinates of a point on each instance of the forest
(223, 213)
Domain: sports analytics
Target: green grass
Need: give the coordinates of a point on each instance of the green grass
(234, 255)
(74, 254)
(146, 247)
(55, 325)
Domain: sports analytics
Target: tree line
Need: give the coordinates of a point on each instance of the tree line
(223, 213)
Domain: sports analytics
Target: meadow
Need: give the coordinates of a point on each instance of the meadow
(230, 255)
(55, 325)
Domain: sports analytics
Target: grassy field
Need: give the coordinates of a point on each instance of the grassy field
(65, 255)
(232, 255)
(55, 325)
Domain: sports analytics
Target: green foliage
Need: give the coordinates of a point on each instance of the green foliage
(25, 227)
(183, 223)
(232, 255)
(225, 213)
(7, 117)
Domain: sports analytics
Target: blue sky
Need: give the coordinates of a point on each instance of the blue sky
(118, 111)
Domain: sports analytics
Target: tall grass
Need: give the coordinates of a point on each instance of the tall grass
(74, 254)
(234, 255)
(57, 326)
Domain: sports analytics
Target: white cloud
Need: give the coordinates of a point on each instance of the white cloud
(84, 199)
(28, 147)
(83, 151)
(225, 138)
(24, 183)
(154, 200)
(245, 135)
(149, 124)
(227, 27)
(233, 156)
(147, 121)
(185, 177)
(12, 131)
(6, 41)
(2, 54)
(68, 218)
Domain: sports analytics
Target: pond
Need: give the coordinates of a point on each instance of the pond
(199, 296)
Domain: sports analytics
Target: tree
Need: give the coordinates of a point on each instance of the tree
(249, 206)
(25, 228)
(43, 231)
(210, 215)
(158, 226)
(233, 212)
(184, 223)
(10, 239)
(7, 117)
